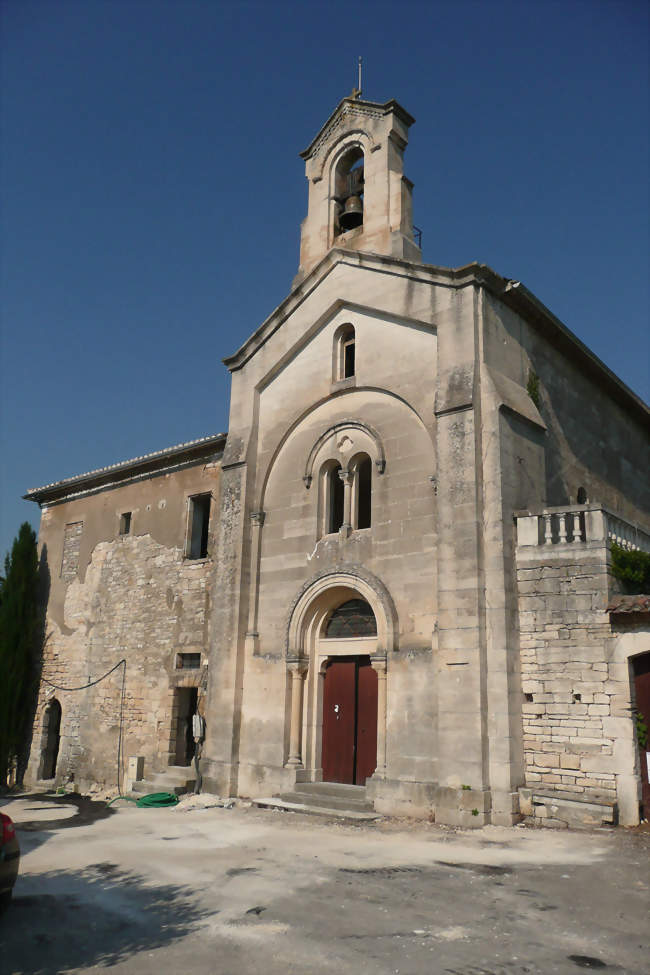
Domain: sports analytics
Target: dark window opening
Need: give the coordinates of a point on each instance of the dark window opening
(188, 661)
(125, 523)
(364, 493)
(582, 496)
(197, 547)
(335, 500)
(348, 359)
(529, 698)
(353, 618)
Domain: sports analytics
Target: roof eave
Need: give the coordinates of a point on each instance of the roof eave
(193, 450)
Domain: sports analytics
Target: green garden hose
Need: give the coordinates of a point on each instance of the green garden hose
(151, 800)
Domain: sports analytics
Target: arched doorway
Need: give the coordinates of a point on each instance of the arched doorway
(349, 735)
(339, 633)
(641, 675)
(51, 739)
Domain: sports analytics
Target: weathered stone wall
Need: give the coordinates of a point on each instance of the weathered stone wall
(578, 729)
(135, 598)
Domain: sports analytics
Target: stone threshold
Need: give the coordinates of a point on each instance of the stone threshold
(301, 807)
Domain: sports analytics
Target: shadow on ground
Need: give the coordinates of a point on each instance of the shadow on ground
(88, 811)
(66, 919)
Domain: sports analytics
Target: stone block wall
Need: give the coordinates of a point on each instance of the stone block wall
(565, 675)
(579, 741)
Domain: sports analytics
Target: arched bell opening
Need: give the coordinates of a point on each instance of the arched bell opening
(50, 740)
(348, 190)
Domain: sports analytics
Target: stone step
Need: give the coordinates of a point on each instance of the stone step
(327, 800)
(339, 789)
(275, 802)
(161, 783)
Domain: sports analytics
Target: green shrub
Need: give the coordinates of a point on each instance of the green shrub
(632, 569)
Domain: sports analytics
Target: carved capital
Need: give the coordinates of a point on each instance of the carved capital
(297, 667)
(378, 664)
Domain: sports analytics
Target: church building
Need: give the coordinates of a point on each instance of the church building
(391, 579)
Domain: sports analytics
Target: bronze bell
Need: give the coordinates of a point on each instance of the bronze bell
(352, 215)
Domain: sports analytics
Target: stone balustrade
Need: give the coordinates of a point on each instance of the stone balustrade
(578, 524)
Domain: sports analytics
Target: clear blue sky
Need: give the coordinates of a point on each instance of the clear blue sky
(152, 190)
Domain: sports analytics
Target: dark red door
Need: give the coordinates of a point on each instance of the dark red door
(642, 694)
(349, 721)
(366, 722)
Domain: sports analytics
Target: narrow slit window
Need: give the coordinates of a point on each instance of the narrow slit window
(125, 523)
(364, 493)
(336, 493)
(199, 521)
(348, 359)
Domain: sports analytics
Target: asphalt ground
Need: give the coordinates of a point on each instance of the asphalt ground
(242, 890)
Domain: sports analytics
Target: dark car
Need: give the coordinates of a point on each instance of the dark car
(9, 859)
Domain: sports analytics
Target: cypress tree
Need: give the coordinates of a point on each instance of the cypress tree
(19, 651)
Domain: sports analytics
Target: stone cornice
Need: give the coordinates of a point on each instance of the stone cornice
(354, 106)
(512, 293)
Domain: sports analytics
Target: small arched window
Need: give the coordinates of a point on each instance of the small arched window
(353, 618)
(582, 496)
(348, 191)
(333, 495)
(362, 488)
(344, 353)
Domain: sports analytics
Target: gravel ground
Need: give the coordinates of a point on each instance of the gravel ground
(206, 888)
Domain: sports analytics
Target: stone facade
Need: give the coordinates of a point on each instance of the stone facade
(134, 597)
(387, 422)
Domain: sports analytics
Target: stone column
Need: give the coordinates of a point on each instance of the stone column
(252, 636)
(297, 669)
(379, 666)
(346, 527)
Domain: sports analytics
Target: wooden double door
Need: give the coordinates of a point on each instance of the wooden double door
(349, 753)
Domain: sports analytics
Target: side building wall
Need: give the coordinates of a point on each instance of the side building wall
(581, 755)
(135, 597)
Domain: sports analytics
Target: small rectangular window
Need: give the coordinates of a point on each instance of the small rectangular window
(125, 523)
(188, 661)
(197, 536)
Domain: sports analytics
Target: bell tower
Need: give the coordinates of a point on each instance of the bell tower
(359, 197)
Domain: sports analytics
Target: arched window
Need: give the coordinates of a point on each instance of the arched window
(348, 191)
(362, 488)
(332, 493)
(344, 353)
(582, 496)
(353, 618)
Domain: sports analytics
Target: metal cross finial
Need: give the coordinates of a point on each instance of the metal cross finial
(356, 92)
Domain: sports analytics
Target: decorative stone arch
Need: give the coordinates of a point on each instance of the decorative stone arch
(374, 445)
(317, 597)
(346, 141)
(308, 654)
